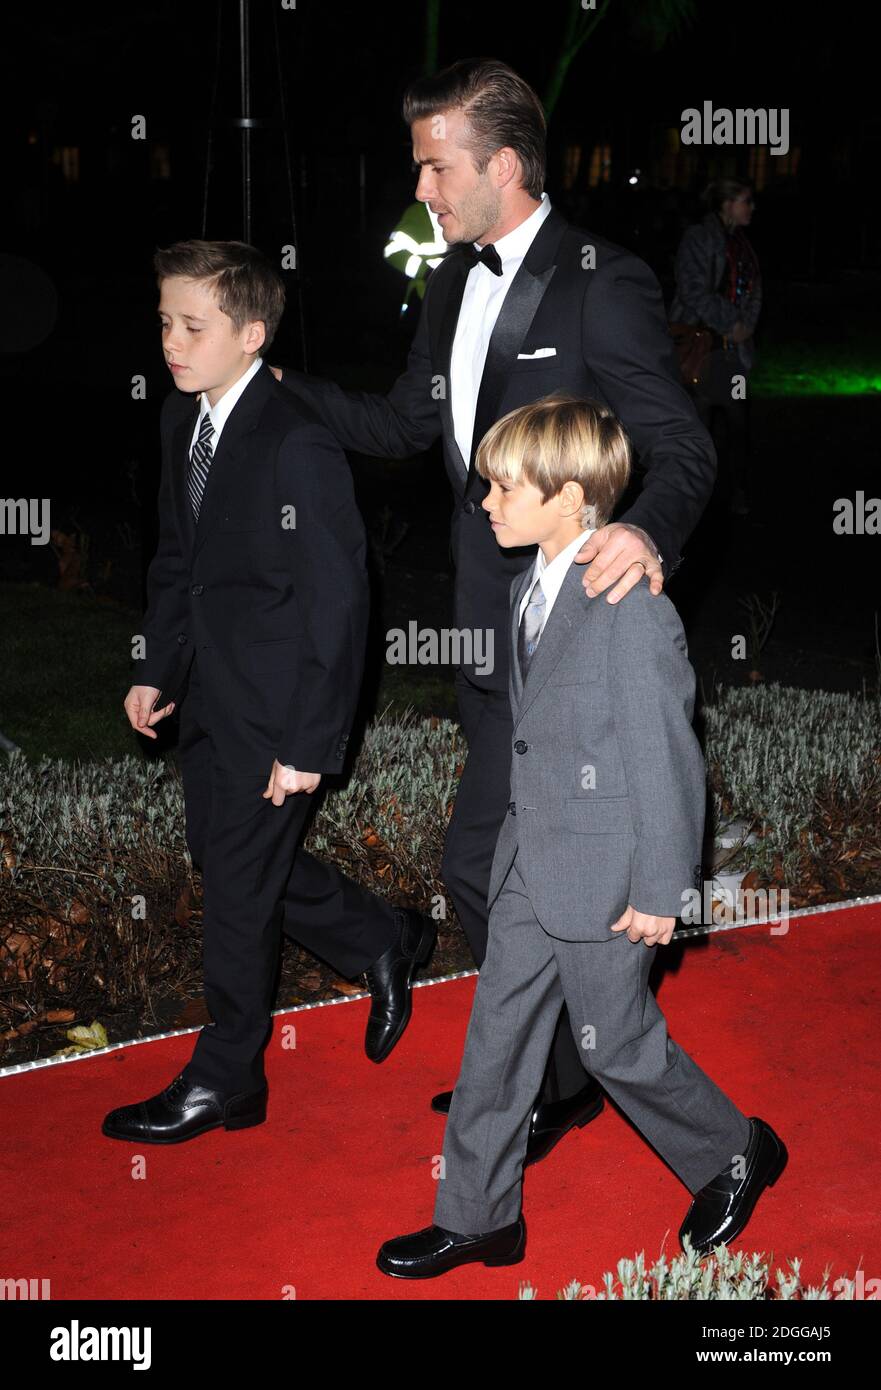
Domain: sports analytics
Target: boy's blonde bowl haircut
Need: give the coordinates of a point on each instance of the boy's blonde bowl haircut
(557, 439)
(246, 285)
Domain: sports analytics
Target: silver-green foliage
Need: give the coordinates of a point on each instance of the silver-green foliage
(725, 1275)
(70, 815)
(773, 749)
(770, 750)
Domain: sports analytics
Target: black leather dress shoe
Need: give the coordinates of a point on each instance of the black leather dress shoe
(722, 1208)
(389, 980)
(182, 1111)
(550, 1120)
(433, 1250)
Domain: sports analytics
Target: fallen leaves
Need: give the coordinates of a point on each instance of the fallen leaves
(84, 1039)
(346, 987)
(49, 1016)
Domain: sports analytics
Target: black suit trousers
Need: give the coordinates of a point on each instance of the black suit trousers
(257, 882)
(480, 807)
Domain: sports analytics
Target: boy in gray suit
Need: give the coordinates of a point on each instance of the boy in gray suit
(600, 848)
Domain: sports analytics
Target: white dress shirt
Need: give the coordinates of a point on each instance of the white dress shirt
(551, 575)
(481, 302)
(221, 412)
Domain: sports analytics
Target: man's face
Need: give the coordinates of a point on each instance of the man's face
(203, 351)
(739, 210)
(518, 514)
(466, 202)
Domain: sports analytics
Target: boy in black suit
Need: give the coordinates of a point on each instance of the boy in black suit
(256, 627)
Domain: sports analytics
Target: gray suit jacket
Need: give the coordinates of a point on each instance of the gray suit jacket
(608, 783)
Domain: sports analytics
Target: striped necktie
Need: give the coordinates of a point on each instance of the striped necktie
(530, 627)
(200, 462)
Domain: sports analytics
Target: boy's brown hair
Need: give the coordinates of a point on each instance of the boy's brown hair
(247, 286)
(557, 439)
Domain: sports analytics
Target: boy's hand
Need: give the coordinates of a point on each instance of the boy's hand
(654, 931)
(138, 705)
(618, 548)
(282, 782)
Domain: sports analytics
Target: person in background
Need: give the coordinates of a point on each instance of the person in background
(718, 285)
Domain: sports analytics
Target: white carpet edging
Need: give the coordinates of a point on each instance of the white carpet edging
(680, 934)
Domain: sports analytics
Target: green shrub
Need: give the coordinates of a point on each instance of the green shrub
(778, 756)
(721, 1275)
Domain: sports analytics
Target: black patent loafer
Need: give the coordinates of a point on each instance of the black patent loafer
(432, 1251)
(553, 1119)
(550, 1120)
(722, 1208)
(183, 1111)
(389, 980)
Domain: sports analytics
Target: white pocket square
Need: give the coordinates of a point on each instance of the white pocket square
(539, 352)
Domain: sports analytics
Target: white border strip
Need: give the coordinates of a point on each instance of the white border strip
(181, 1032)
(679, 935)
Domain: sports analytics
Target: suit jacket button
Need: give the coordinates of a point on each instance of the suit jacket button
(181, 638)
(520, 746)
(512, 808)
(198, 589)
(469, 507)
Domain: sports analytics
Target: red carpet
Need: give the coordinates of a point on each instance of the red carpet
(785, 1024)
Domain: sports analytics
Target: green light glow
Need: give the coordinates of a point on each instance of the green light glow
(793, 371)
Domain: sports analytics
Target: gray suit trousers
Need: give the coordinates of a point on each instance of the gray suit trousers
(623, 1042)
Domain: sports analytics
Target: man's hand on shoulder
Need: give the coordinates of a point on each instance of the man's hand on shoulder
(283, 782)
(276, 372)
(619, 552)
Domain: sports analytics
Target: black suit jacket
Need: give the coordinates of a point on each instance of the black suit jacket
(609, 329)
(277, 611)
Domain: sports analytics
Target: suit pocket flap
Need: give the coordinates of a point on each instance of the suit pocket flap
(235, 521)
(273, 656)
(535, 364)
(608, 815)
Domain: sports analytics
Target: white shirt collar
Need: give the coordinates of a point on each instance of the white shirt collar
(221, 411)
(553, 574)
(514, 244)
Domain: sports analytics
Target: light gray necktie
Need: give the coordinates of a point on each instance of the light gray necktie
(530, 627)
(200, 462)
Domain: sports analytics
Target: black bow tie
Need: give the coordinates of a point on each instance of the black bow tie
(488, 254)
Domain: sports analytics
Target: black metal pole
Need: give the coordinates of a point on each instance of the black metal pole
(245, 83)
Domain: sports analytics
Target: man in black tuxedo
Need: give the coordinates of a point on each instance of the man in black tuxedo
(256, 626)
(524, 305)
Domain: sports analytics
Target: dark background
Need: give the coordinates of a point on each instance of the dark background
(86, 206)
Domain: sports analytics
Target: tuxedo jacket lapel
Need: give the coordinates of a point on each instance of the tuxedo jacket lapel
(443, 355)
(511, 327)
(515, 316)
